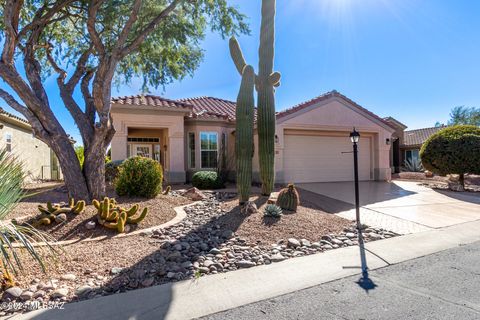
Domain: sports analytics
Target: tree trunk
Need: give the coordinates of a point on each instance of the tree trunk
(94, 171)
(72, 173)
(461, 180)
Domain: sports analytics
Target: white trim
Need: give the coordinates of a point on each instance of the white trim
(8, 136)
(200, 141)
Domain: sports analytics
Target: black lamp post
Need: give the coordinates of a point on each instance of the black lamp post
(355, 137)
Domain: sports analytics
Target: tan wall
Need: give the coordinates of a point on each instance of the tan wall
(335, 116)
(34, 153)
(173, 135)
(219, 128)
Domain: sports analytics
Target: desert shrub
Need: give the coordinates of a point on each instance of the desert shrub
(111, 170)
(207, 180)
(272, 210)
(413, 165)
(139, 176)
(25, 236)
(453, 150)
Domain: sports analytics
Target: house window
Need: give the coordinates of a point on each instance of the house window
(412, 155)
(8, 140)
(208, 149)
(191, 150)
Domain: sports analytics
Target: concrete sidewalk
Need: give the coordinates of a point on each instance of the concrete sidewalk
(215, 293)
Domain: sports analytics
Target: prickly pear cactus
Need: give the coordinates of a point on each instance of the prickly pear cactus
(265, 81)
(288, 198)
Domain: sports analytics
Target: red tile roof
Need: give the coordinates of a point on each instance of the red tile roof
(210, 107)
(324, 97)
(417, 137)
(216, 108)
(152, 101)
(10, 115)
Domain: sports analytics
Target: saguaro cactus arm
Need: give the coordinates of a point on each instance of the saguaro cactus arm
(237, 55)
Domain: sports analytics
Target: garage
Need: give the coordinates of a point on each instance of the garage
(322, 158)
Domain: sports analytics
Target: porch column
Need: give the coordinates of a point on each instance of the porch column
(383, 171)
(176, 158)
(119, 146)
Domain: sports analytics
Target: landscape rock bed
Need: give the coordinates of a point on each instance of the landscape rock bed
(197, 246)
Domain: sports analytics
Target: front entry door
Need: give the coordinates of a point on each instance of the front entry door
(142, 150)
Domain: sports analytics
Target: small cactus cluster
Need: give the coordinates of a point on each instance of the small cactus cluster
(112, 216)
(272, 210)
(50, 213)
(288, 198)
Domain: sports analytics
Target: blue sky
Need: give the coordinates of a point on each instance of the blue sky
(413, 60)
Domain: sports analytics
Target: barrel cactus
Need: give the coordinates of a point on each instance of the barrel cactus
(288, 198)
(265, 81)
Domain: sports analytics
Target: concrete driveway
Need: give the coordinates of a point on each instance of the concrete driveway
(401, 206)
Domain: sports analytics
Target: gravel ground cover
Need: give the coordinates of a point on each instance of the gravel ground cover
(75, 227)
(213, 238)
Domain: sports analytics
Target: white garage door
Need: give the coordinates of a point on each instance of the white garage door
(320, 159)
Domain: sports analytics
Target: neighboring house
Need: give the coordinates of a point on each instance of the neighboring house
(311, 143)
(406, 144)
(17, 138)
(413, 140)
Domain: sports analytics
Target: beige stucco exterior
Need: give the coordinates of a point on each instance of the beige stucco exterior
(332, 118)
(32, 152)
(170, 128)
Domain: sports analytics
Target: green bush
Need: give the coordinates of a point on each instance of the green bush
(139, 176)
(453, 150)
(207, 180)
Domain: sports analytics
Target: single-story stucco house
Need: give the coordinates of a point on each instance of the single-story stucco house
(312, 138)
(17, 137)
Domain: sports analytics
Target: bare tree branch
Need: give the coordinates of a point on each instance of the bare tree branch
(11, 17)
(128, 25)
(79, 70)
(15, 105)
(92, 31)
(87, 97)
(149, 28)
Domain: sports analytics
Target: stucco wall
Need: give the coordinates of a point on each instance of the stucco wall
(209, 126)
(336, 115)
(32, 152)
(173, 136)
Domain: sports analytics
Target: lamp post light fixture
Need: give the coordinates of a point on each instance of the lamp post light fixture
(355, 137)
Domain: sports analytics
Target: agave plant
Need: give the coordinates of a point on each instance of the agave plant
(272, 210)
(413, 165)
(14, 237)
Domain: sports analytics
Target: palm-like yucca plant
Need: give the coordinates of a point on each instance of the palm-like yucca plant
(14, 237)
(413, 165)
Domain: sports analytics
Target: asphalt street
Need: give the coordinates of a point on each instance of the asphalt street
(445, 285)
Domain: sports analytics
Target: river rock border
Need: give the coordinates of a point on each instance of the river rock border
(190, 247)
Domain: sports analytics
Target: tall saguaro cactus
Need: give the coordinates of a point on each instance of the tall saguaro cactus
(265, 81)
(244, 134)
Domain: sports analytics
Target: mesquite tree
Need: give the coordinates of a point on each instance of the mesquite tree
(88, 45)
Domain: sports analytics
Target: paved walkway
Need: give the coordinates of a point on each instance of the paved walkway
(444, 285)
(216, 293)
(400, 206)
